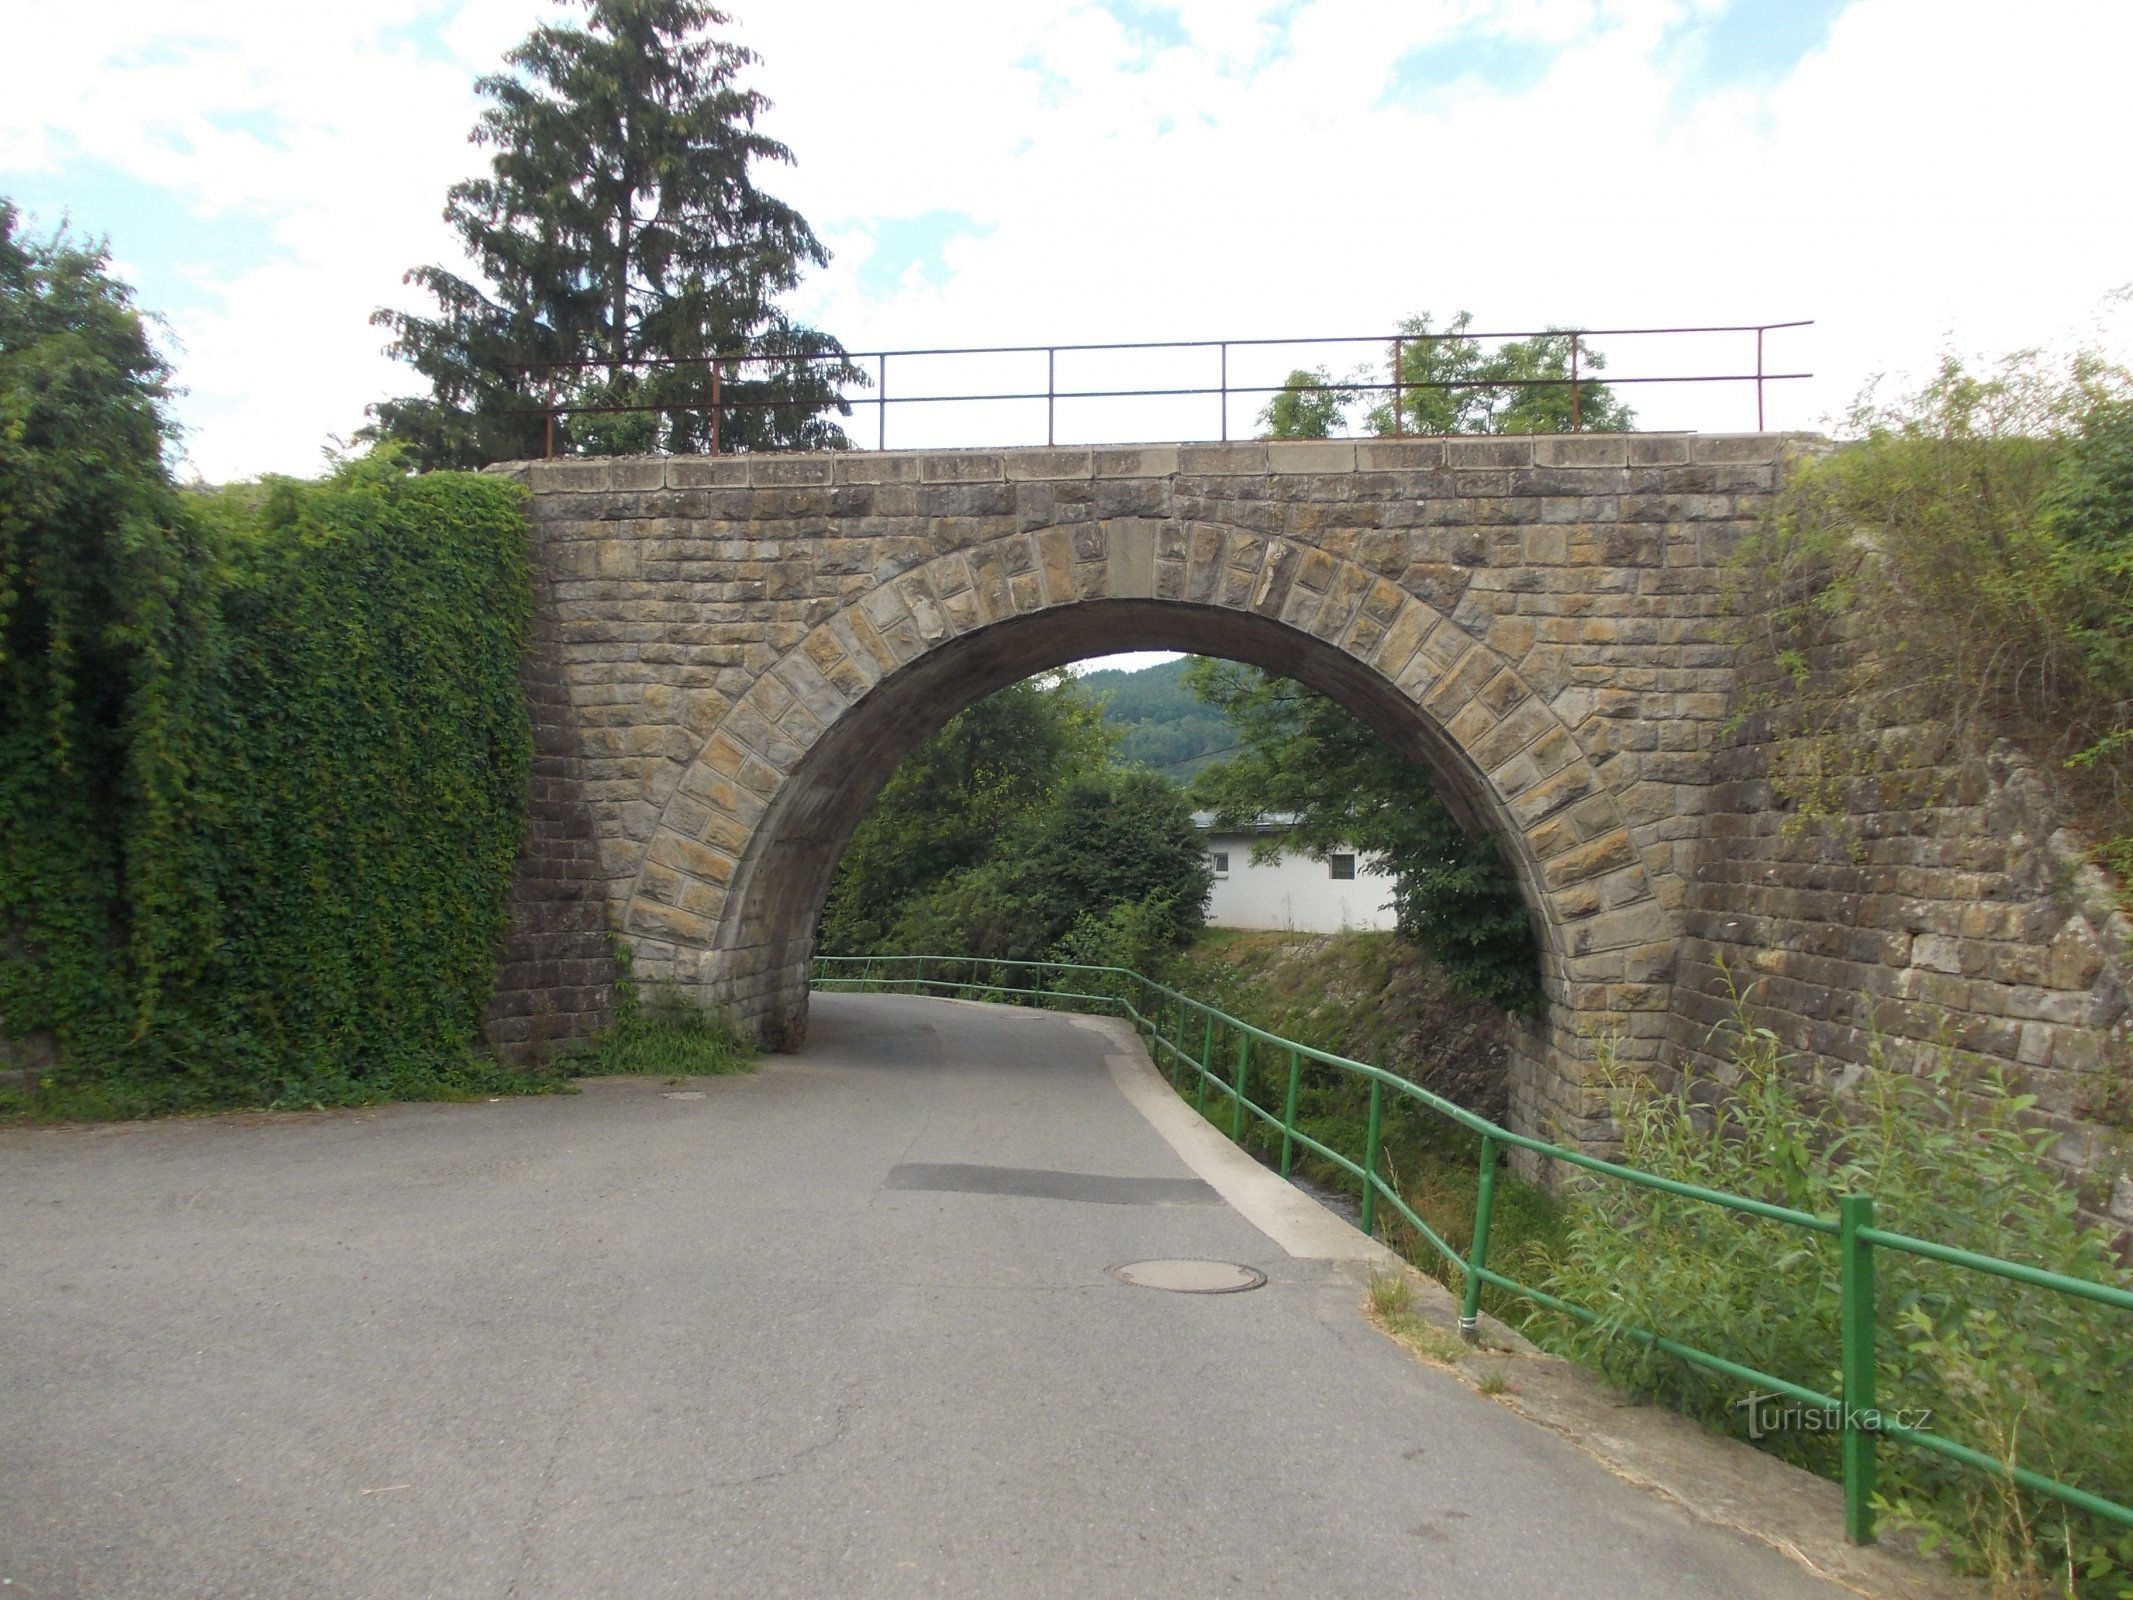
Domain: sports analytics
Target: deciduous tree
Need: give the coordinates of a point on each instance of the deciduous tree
(1349, 789)
(1451, 384)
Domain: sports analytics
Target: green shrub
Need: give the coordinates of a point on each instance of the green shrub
(2020, 1373)
(1965, 565)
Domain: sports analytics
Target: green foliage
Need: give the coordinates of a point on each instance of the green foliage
(2023, 1374)
(101, 630)
(1453, 384)
(620, 223)
(1310, 406)
(945, 808)
(377, 751)
(667, 1034)
(1456, 385)
(1010, 831)
(1348, 788)
(1371, 997)
(1107, 839)
(1967, 563)
(263, 761)
(1158, 721)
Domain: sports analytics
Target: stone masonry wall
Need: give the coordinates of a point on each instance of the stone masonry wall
(1940, 906)
(748, 644)
(556, 980)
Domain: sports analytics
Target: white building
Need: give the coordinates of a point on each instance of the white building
(1291, 892)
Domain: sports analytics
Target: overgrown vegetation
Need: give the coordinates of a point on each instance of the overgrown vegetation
(2023, 1374)
(1010, 834)
(1962, 572)
(1371, 997)
(263, 754)
(663, 1033)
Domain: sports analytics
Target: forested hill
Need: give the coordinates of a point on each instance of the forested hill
(1162, 723)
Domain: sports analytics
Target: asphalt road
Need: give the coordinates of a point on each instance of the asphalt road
(793, 1333)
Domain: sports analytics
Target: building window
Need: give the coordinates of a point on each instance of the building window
(1221, 860)
(1340, 865)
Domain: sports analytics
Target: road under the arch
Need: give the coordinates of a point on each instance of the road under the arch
(839, 1327)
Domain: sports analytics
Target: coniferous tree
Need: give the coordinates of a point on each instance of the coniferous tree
(623, 240)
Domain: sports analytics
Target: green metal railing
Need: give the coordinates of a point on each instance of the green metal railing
(1186, 1032)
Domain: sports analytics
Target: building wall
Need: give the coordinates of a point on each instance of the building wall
(1293, 893)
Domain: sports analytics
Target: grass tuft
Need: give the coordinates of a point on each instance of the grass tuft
(667, 1034)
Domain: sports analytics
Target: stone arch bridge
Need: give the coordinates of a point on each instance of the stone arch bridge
(733, 654)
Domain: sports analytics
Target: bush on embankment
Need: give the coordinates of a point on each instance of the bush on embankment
(263, 752)
(1959, 572)
(2026, 1375)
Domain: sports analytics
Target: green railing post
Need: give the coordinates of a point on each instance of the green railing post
(1207, 1062)
(1855, 1314)
(1244, 1078)
(1370, 1158)
(1288, 1115)
(1478, 1257)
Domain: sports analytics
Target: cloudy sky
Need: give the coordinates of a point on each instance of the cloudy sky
(1912, 174)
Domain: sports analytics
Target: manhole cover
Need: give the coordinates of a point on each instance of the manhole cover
(1190, 1277)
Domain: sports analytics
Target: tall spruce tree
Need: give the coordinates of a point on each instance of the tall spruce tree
(623, 240)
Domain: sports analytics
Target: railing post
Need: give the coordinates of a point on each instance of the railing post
(1399, 353)
(1225, 391)
(715, 382)
(881, 404)
(549, 449)
(1758, 380)
(1207, 1061)
(1576, 422)
(1244, 1076)
(1855, 1316)
(1478, 1256)
(1288, 1115)
(1051, 394)
(1370, 1158)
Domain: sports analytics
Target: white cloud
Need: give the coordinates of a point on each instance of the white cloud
(1936, 169)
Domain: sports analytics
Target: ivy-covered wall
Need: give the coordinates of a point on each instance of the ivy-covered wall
(277, 872)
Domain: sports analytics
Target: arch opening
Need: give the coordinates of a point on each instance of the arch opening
(778, 892)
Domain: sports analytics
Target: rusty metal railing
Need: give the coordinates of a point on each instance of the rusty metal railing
(724, 369)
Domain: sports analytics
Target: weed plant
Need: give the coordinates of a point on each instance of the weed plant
(664, 1033)
(2028, 1376)
(1962, 571)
